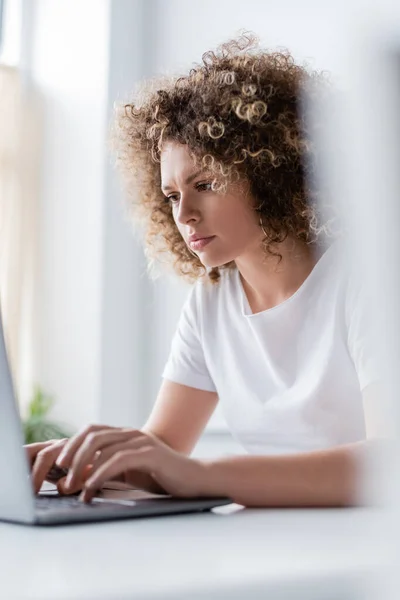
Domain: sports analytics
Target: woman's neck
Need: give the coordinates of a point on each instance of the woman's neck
(268, 283)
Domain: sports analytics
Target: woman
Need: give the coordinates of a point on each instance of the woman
(217, 164)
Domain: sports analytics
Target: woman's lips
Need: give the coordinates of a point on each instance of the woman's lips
(200, 244)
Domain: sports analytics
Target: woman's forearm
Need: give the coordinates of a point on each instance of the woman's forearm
(320, 478)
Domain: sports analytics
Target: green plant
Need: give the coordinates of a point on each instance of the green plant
(36, 426)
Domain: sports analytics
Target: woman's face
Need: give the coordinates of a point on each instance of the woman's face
(197, 210)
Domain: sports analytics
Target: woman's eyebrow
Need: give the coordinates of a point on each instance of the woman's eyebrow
(187, 181)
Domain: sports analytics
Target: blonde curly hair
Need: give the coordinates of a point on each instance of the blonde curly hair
(238, 114)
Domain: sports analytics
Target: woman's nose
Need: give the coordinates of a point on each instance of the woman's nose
(186, 210)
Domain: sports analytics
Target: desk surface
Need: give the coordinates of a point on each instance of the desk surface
(229, 553)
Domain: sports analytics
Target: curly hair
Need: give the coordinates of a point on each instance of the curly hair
(238, 114)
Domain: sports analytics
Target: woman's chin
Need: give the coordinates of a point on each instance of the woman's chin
(211, 262)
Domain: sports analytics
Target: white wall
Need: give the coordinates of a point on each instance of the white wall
(126, 342)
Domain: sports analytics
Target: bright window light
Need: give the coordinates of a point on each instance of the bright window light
(10, 41)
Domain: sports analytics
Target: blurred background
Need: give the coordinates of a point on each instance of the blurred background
(83, 320)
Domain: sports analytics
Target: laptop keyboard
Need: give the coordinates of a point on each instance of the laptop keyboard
(44, 503)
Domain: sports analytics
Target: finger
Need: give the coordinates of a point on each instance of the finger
(106, 454)
(94, 443)
(43, 463)
(109, 451)
(64, 490)
(33, 449)
(66, 457)
(141, 460)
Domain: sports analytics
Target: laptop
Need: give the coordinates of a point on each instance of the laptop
(18, 502)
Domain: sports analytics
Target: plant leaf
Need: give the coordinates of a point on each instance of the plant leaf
(40, 403)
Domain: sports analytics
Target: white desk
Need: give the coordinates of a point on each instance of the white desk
(274, 554)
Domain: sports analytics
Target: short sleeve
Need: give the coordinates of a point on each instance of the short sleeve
(186, 363)
(362, 334)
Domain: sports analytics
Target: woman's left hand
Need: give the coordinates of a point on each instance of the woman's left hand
(116, 451)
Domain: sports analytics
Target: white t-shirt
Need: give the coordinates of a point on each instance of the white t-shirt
(289, 378)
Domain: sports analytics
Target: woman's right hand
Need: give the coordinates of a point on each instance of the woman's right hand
(42, 457)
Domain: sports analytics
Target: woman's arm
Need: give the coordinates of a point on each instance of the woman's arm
(320, 478)
(178, 419)
(180, 415)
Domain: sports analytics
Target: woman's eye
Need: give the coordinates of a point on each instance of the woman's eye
(171, 199)
(203, 187)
